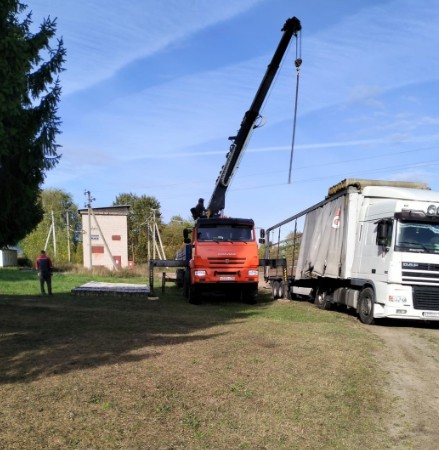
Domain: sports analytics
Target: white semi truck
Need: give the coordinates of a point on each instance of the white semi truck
(370, 245)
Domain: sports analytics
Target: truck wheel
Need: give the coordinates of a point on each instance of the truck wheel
(282, 289)
(194, 295)
(322, 299)
(179, 278)
(186, 283)
(286, 290)
(365, 306)
(249, 296)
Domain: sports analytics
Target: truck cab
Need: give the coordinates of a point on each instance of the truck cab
(399, 254)
(222, 257)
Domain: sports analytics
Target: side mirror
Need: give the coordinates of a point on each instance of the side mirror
(262, 236)
(384, 228)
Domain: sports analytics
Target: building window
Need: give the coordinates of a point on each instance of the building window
(116, 237)
(97, 249)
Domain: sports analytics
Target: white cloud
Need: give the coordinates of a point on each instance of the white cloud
(105, 35)
(381, 47)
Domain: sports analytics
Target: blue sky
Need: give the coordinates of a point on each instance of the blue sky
(153, 89)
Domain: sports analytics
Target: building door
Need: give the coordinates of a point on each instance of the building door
(118, 261)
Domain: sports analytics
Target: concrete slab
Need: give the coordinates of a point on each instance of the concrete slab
(101, 288)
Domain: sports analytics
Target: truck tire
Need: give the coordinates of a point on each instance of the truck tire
(194, 295)
(275, 289)
(186, 283)
(189, 290)
(282, 289)
(179, 277)
(365, 306)
(286, 290)
(249, 296)
(322, 299)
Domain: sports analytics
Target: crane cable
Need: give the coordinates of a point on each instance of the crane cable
(297, 63)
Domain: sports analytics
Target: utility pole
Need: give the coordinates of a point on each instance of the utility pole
(68, 234)
(148, 236)
(101, 234)
(48, 236)
(88, 204)
(163, 256)
(153, 233)
(53, 235)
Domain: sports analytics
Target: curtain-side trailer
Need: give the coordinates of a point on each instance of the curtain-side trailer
(371, 245)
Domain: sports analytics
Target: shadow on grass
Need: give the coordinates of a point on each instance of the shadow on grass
(43, 336)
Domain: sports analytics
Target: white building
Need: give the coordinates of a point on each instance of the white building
(105, 236)
(8, 257)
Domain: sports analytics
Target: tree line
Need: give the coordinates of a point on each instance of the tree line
(60, 230)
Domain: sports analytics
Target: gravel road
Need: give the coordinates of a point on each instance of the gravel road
(410, 355)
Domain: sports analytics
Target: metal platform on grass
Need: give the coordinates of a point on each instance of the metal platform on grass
(100, 288)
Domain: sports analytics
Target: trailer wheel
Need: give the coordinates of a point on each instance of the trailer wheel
(282, 289)
(286, 291)
(365, 306)
(322, 299)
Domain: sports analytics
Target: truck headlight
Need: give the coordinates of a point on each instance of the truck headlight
(200, 273)
(431, 210)
(253, 273)
(397, 299)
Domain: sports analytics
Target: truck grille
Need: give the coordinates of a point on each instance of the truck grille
(420, 274)
(226, 262)
(426, 297)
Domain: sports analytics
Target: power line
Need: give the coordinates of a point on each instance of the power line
(328, 176)
(314, 165)
(342, 175)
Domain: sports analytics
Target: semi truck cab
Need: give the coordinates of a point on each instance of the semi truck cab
(399, 254)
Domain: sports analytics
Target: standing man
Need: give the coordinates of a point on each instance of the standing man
(44, 266)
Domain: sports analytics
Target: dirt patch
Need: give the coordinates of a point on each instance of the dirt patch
(410, 355)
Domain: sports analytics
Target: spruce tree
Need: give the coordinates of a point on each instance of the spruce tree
(29, 94)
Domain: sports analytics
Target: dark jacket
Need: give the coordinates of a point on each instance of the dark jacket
(44, 265)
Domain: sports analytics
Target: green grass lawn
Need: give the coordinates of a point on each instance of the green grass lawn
(26, 282)
(92, 372)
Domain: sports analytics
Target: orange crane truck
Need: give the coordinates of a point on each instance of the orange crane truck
(220, 254)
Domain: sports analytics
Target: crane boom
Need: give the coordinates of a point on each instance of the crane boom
(249, 122)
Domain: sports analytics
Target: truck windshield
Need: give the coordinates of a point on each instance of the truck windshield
(231, 233)
(417, 237)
